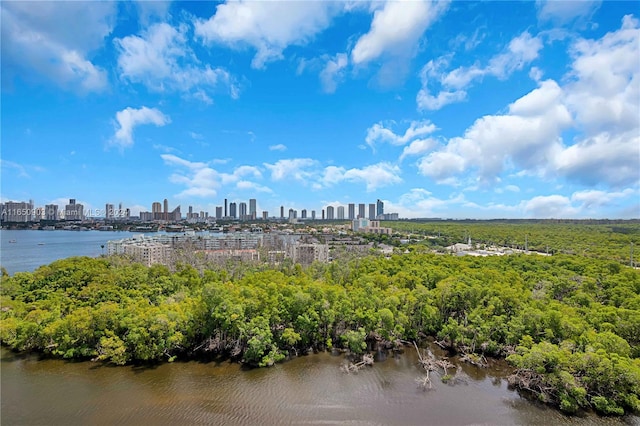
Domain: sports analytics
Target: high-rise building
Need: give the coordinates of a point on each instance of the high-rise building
(156, 211)
(282, 212)
(17, 211)
(190, 214)
(372, 211)
(330, 215)
(73, 211)
(340, 212)
(166, 210)
(303, 214)
(219, 212)
(108, 211)
(361, 208)
(233, 211)
(313, 215)
(292, 214)
(243, 211)
(253, 208)
(352, 211)
(51, 212)
(225, 208)
(379, 208)
(265, 215)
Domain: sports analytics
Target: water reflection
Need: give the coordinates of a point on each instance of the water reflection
(306, 390)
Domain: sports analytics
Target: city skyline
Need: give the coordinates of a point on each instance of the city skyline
(24, 211)
(439, 109)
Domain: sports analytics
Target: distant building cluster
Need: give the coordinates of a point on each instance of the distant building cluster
(246, 246)
(369, 226)
(22, 212)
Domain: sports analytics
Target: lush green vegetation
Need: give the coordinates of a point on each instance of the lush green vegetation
(600, 239)
(569, 325)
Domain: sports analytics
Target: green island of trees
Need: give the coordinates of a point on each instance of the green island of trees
(569, 325)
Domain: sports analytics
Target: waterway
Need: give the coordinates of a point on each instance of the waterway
(306, 390)
(25, 250)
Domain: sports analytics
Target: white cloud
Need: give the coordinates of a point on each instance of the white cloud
(528, 137)
(374, 176)
(396, 29)
(269, 27)
(417, 147)
(201, 180)
(379, 133)
(452, 85)
(129, 118)
(252, 186)
(591, 199)
(565, 11)
(549, 206)
(161, 60)
(36, 47)
(278, 147)
(598, 102)
(333, 72)
(295, 168)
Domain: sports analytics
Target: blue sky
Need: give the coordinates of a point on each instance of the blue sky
(441, 109)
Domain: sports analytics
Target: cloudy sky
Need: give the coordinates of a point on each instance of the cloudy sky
(441, 109)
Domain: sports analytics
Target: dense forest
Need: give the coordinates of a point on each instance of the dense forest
(569, 325)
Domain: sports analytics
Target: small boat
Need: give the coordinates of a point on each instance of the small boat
(12, 241)
(40, 244)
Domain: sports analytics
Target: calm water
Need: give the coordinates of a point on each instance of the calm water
(306, 390)
(27, 253)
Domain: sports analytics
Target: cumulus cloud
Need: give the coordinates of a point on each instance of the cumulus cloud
(35, 47)
(160, 59)
(253, 186)
(299, 169)
(381, 133)
(452, 85)
(597, 102)
(268, 27)
(549, 206)
(129, 118)
(418, 147)
(202, 180)
(373, 176)
(396, 29)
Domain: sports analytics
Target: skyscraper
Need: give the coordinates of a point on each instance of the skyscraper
(72, 211)
(232, 210)
(330, 213)
(313, 215)
(166, 210)
(340, 212)
(243, 211)
(372, 211)
(108, 211)
(252, 208)
(282, 212)
(380, 208)
(303, 214)
(361, 210)
(352, 211)
(225, 207)
(219, 212)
